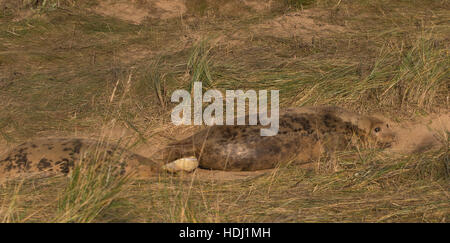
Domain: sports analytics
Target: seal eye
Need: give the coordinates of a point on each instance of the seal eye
(377, 129)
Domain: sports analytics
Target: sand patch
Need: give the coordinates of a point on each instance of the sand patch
(258, 6)
(303, 25)
(421, 135)
(166, 9)
(137, 11)
(122, 10)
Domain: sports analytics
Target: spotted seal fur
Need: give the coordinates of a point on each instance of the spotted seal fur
(304, 134)
(51, 156)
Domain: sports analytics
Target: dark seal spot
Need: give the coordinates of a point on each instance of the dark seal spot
(65, 165)
(44, 164)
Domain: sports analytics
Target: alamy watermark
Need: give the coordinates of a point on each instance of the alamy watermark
(213, 113)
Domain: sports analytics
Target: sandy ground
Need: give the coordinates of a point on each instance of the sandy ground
(137, 11)
(303, 25)
(425, 133)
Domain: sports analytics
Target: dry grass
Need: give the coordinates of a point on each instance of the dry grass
(65, 70)
(94, 186)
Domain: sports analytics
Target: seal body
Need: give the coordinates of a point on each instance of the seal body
(52, 156)
(304, 135)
